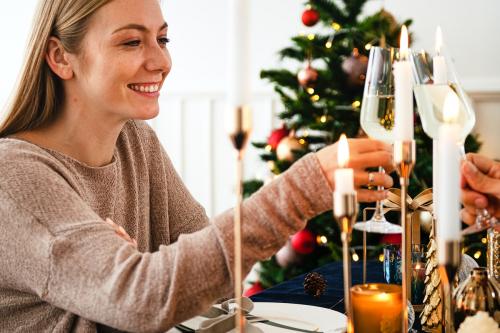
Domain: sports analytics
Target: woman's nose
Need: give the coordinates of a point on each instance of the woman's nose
(158, 60)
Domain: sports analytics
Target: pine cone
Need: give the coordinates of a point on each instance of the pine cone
(315, 284)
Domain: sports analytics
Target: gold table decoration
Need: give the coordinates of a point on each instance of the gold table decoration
(239, 128)
(345, 212)
(431, 316)
(404, 161)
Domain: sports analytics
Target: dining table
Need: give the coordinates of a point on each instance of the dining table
(292, 291)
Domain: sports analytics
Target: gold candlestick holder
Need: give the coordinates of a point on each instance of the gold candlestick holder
(239, 132)
(404, 161)
(345, 211)
(449, 256)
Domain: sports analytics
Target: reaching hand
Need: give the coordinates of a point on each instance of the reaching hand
(480, 187)
(363, 154)
(121, 232)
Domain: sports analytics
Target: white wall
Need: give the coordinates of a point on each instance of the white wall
(189, 124)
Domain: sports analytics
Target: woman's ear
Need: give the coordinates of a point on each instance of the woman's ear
(57, 59)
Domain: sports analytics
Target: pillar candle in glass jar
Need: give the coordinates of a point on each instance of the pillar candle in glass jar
(376, 308)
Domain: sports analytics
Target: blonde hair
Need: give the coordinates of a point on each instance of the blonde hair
(39, 92)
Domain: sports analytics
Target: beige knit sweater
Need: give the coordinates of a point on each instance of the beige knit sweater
(62, 269)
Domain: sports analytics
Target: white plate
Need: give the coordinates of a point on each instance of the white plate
(298, 315)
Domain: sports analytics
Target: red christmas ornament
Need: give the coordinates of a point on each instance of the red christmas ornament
(304, 242)
(391, 239)
(310, 17)
(254, 289)
(276, 136)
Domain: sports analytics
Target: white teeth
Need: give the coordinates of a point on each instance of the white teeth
(147, 89)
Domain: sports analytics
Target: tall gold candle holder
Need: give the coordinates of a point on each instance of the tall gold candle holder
(345, 211)
(449, 256)
(239, 129)
(404, 161)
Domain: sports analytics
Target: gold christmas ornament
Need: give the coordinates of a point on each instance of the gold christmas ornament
(286, 148)
(307, 76)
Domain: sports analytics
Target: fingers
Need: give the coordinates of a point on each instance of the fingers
(370, 196)
(368, 145)
(371, 160)
(121, 232)
(467, 217)
(473, 199)
(478, 181)
(362, 178)
(483, 163)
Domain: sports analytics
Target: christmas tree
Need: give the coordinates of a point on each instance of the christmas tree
(321, 101)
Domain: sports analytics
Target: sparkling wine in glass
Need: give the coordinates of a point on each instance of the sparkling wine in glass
(430, 94)
(377, 120)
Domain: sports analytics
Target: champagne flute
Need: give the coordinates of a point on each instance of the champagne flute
(431, 90)
(377, 120)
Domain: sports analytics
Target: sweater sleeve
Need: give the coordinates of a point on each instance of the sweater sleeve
(56, 247)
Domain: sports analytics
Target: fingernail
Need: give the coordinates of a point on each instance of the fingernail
(480, 203)
(470, 168)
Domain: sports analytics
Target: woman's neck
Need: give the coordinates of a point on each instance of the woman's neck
(80, 135)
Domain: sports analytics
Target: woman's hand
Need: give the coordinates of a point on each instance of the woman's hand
(121, 232)
(480, 187)
(363, 154)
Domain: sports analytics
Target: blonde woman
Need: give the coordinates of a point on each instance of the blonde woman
(74, 151)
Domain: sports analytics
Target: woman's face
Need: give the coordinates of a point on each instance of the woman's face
(123, 60)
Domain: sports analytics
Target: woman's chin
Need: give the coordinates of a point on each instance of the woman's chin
(146, 114)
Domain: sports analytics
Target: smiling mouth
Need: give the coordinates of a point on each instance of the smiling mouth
(145, 88)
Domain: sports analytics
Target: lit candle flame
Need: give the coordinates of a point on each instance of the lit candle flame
(439, 40)
(382, 296)
(450, 108)
(343, 152)
(403, 43)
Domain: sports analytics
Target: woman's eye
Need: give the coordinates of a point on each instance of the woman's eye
(163, 41)
(133, 43)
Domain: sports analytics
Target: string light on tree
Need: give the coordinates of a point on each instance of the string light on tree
(336, 26)
(329, 42)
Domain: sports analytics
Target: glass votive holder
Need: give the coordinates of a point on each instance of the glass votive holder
(392, 264)
(392, 269)
(376, 307)
(418, 261)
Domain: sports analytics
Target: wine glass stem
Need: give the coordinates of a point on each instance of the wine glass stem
(462, 151)
(379, 208)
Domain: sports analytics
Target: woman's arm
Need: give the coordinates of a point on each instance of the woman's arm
(56, 247)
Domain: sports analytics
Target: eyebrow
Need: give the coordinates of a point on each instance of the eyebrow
(139, 27)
